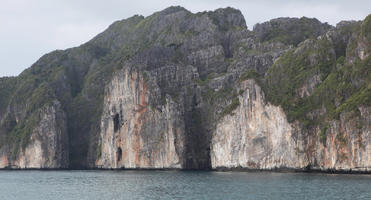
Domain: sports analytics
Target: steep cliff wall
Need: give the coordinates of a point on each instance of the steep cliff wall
(156, 100)
(47, 146)
(347, 145)
(133, 133)
(313, 113)
(196, 91)
(257, 135)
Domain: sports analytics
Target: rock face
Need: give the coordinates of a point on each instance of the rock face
(290, 30)
(152, 115)
(347, 145)
(258, 136)
(186, 90)
(134, 134)
(48, 145)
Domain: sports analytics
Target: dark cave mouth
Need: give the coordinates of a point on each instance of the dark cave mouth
(116, 122)
(119, 154)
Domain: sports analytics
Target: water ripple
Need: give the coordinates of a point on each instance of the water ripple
(122, 185)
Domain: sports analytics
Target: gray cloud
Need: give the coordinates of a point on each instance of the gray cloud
(31, 28)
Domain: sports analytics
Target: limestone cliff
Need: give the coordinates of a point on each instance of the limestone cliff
(187, 90)
(316, 115)
(258, 136)
(133, 133)
(347, 146)
(47, 146)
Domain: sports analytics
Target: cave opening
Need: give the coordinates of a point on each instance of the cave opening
(119, 154)
(197, 140)
(226, 44)
(116, 122)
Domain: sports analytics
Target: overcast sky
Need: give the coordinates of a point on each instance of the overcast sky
(31, 28)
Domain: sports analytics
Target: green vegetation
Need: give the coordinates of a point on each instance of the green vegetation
(241, 92)
(7, 87)
(231, 107)
(32, 94)
(366, 29)
(347, 84)
(293, 31)
(341, 139)
(219, 19)
(249, 74)
(222, 94)
(323, 135)
(145, 76)
(99, 149)
(20, 133)
(175, 96)
(291, 72)
(163, 100)
(77, 77)
(207, 79)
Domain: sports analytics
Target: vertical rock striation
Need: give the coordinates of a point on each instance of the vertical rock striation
(348, 143)
(256, 135)
(196, 91)
(47, 146)
(135, 134)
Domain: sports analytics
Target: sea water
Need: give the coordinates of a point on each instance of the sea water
(91, 185)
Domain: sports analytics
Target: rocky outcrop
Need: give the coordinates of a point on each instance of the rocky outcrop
(157, 95)
(195, 91)
(257, 135)
(290, 30)
(47, 146)
(345, 145)
(135, 134)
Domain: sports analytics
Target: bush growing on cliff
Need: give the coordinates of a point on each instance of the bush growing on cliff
(323, 135)
(231, 107)
(249, 74)
(342, 87)
(290, 30)
(7, 86)
(366, 29)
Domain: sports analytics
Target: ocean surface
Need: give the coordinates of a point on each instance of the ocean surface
(91, 185)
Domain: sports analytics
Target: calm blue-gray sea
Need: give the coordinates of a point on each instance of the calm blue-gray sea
(91, 185)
